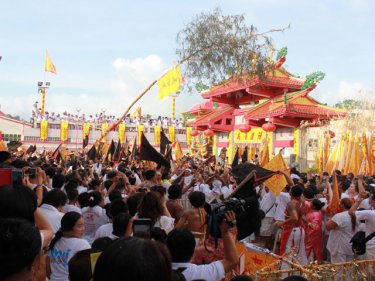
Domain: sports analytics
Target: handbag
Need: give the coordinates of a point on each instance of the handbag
(359, 241)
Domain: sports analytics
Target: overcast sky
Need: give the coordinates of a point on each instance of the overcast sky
(107, 52)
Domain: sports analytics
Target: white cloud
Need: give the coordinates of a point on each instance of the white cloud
(345, 90)
(358, 5)
(130, 78)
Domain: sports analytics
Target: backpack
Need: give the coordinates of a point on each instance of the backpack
(359, 241)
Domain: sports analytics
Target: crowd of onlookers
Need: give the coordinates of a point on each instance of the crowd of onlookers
(102, 117)
(140, 221)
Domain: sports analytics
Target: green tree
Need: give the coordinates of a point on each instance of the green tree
(216, 47)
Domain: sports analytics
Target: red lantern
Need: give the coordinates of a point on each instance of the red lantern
(331, 134)
(269, 127)
(194, 133)
(244, 128)
(208, 133)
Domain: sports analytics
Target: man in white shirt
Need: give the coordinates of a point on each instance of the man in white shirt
(53, 208)
(181, 244)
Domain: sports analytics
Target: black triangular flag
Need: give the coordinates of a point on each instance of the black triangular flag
(164, 142)
(56, 154)
(116, 154)
(244, 155)
(235, 159)
(85, 141)
(111, 151)
(168, 154)
(148, 152)
(91, 154)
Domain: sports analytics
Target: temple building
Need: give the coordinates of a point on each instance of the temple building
(248, 111)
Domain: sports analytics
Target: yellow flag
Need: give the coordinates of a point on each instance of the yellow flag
(178, 151)
(49, 67)
(264, 152)
(121, 132)
(104, 128)
(43, 129)
(188, 136)
(157, 130)
(170, 83)
(277, 182)
(171, 131)
(64, 130)
(140, 129)
(3, 146)
(86, 129)
(137, 113)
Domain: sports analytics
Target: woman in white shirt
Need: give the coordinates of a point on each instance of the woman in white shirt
(151, 207)
(66, 243)
(94, 216)
(341, 227)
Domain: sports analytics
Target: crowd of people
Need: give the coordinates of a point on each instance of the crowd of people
(98, 118)
(148, 222)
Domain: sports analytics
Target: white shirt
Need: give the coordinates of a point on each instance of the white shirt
(72, 208)
(52, 215)
(209, 272)
(94, 218)
(267, 204)
(369, 217)
(60, 255)
(81, 189)
(165, 223)
(339, 238)
(105, 231)
(281, 201)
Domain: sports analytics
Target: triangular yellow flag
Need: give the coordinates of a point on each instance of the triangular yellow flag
(49, 67)
(277, 182)
(170, 83)
(178, 151)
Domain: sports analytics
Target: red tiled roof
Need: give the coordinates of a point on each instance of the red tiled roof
(205, 119)
(238, 85)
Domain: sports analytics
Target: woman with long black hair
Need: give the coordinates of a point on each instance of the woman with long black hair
(64, 245)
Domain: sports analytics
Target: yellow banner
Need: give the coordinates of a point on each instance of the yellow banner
(214, 145)
(254, 136)
(264, 153)
(277, 182)
(170, 83)
(140, 129)
(43, 130)
(296, 143)
(104, 128)
(157, 130)
(178, 151)
(86, 129)
(121, 132)
(171, 131)
(188, 136)
(64, 130)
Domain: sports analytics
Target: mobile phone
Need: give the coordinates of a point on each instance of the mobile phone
(142, 228)
(5, 176)
(31, 171)
(17, 176)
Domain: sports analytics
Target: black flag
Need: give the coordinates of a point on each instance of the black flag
(235, 159)
(244, 155)
(117, 153)
(91, 154)
(164, 142)
(111, 151)
(168, 154)
(148, 152)
(56, 155)
(85, 141)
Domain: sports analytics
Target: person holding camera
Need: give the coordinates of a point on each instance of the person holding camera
(181, 244)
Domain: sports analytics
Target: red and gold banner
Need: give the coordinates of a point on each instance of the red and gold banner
(171, 131)
(251, 261)
(121, 132)
(157, 130)
(64, 130)
(188, 136)
(140, 129)
(43, 130)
